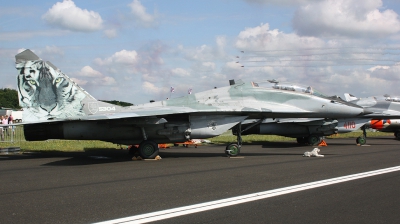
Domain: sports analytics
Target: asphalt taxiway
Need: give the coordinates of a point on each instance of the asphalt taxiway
(106, 185)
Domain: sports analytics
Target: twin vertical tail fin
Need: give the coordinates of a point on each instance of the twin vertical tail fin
(45, 93)
(349, 97)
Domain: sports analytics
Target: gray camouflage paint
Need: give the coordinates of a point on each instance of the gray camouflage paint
(223, 108)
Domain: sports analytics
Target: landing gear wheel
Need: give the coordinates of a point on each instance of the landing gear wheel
(232, 149)
(397, 135)
(361, 140)
(148, 149)
(313, 140)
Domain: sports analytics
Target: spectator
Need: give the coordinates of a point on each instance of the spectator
(11, 121)
(4, 120)
(2, 129)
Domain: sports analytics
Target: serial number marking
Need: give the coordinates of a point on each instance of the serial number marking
(106, 108)
(349, 125)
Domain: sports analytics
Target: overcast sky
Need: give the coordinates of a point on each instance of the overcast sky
(135, 50)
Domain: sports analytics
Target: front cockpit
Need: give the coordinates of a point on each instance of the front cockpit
(274, 84)
(392, 98)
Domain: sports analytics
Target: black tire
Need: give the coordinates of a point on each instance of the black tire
(361, 140)
(148, 149)
(232, 149)
(313, 140)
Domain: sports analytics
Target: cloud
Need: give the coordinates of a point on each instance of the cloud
(282, 2)
(331, 65)
(261, 38)
(221, 44)
(80, 82)
(67, 16)
(131, 67)
(88, 71)
(106, 81)
(142, 18)
(180, 72)
(149, 87)
(50, 53)
(123, 65)
(110, 33)
(204, 66)
(378, 67)
(51, 50)
(387, 73)
(202, 53)
(90, 77)
(16, 36)
(351, 18)
(364, 82)
(120, 57)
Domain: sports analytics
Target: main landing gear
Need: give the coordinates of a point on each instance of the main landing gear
(146, 150)
(233, 149)
(362, 139)
(309, 140)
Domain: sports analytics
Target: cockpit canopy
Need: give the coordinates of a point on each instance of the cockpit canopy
(392, 98)
(273, 84)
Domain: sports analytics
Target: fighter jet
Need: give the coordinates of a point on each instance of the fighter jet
(55, 107)
(311, 131)
(305, 130)
(383, 109)
(386, 125)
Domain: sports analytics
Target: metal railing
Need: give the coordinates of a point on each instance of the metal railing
(12, 133)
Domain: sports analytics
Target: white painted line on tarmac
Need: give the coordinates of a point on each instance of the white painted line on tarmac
(175, 212)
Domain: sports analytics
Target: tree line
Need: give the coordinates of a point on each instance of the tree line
(119, 103)
(9, 98)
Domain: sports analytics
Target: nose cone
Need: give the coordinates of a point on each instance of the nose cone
(340, 109)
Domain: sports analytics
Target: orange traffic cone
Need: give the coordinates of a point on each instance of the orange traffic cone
(323, 143)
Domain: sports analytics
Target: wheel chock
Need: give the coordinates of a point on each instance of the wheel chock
(140, 158)
(163, 146)
(323, 143)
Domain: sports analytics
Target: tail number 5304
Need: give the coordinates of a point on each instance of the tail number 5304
(106, 108)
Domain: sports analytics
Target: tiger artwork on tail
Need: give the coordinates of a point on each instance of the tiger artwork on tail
(46, 93)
